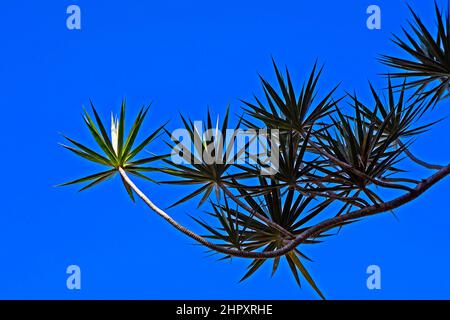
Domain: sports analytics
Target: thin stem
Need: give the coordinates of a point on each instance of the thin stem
(389, 185)
(257, 214)
(186, 231)
(417, 160)
(360, 203)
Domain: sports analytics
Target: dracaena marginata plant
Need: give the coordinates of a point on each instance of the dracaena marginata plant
(333, 162)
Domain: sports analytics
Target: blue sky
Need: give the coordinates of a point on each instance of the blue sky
(184, 56)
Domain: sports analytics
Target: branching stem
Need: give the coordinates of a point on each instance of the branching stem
(311, 232)
(417, 160)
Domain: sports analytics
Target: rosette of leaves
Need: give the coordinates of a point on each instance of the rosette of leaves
(208, 158)
(240, 229)
(427, 68)
(287, 110)
(359, 152)
(116, 150)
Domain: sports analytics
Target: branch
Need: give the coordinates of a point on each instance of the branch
(310, 232)
(417, 160)
(361, 213)
(389, 185)
(186, 231)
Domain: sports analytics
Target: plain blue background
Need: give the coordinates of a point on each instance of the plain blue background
(184, 56)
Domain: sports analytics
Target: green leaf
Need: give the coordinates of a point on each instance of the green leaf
(86, 155)
(305, 274)
(121, 130)
(128, 189)
(134, 131)
(89, 151)
(144, 143)
(97, 137)
(105, 138)
(191, 195)
(102, 178)
(87, 178)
